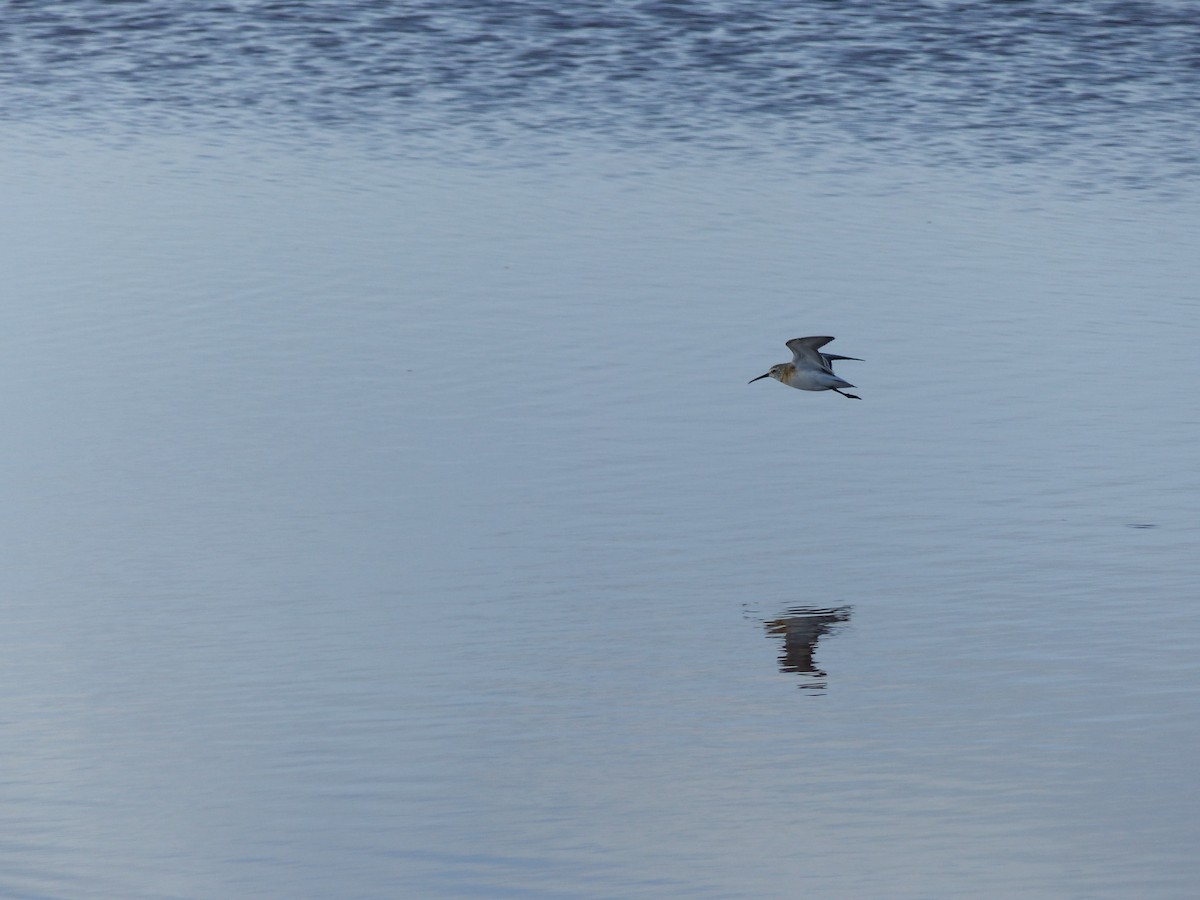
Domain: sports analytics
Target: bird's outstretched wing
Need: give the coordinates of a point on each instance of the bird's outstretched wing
(806, 351)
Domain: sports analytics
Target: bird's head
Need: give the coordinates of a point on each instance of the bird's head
(778, 372)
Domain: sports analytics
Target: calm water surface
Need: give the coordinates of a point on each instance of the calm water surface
(388, 514)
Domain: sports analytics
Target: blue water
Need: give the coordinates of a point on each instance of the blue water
(1101, 92)
(389, 514)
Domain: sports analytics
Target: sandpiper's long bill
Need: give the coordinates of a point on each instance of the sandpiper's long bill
(810, 369)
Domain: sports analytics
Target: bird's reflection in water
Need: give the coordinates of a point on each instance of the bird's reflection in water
(801, 627)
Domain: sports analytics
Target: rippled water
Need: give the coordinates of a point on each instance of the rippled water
(1106, 90)
(388, 513)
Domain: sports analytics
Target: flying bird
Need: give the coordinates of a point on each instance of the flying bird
(810, 369)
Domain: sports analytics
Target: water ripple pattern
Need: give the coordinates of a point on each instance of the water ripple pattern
(971, 83)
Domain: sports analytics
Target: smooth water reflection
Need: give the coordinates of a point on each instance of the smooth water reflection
(374, 531)
(801, 627)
